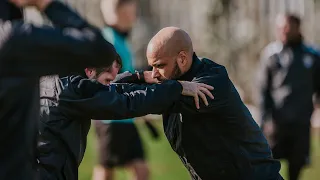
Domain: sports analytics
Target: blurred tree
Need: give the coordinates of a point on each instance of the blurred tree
(231, 32)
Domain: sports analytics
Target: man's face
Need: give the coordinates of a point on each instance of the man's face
(127, 14)
(104, 77)
(164, 68)
(287, 31)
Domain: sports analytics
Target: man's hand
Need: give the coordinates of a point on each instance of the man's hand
(122, 75)
(39, 4)
(149, 79)
(196, 90)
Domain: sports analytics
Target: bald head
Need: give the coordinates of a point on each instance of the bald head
(170, 41)
(170, 52)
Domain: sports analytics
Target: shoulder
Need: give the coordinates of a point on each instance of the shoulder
(211, 68)
(80, 82)
(271, 49)
(312, 55)
(268, 56)
(213, 74)
(269, 52)
(312, 50)
(78, 87)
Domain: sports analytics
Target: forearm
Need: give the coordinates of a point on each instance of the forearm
(126, 82)
(110, 104)
(152, 99)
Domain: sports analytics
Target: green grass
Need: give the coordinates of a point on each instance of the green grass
(165, 165)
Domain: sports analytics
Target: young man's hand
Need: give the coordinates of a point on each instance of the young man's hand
(39, 4)
(195, 90)
(149, 79)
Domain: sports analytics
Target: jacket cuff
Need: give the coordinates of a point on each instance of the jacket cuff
(133, 78)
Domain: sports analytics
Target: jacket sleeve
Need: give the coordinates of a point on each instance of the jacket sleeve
(222, 86)
(96, 101)
(186, 103)
(27, 50)
(128, 82)
(263, 81)
(127, 77)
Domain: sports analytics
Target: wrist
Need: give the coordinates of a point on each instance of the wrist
(181, 85)
(141, 75)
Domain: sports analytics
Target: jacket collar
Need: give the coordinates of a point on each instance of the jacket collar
(195, 67)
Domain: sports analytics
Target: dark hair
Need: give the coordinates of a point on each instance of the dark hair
(293, 18)
(118, 60)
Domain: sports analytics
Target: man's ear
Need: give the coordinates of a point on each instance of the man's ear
(90, 72)
(182, 59)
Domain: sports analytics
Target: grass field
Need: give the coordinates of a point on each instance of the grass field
(165, 165)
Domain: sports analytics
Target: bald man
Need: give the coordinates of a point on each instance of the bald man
(218, 141)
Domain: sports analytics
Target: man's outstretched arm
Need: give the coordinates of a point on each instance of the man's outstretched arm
(185, 102)
(86, 97)
(35, 51)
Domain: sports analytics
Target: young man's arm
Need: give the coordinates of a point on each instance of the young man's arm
(185, 102)
(133, 79)
(89, 98)
(26, 50)
(106, 102)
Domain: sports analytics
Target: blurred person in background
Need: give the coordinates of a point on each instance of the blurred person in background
(288, 77)
(119, 143)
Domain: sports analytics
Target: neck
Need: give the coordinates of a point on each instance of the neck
(294, 42)
(194, 66)
(188, 66)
